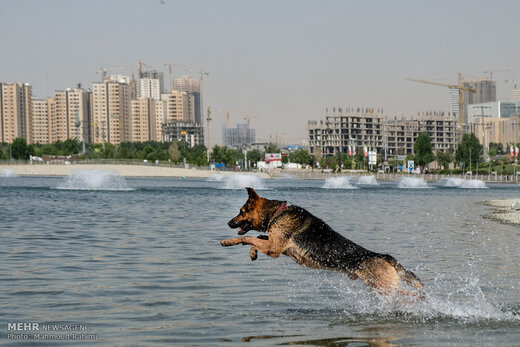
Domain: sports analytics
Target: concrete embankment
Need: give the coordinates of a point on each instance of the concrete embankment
(503, 212)
(122, 170)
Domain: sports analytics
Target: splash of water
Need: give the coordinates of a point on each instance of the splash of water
(240, 181)
(342, 182)
(368, 180)
(463, 302)
(463, 183)
(8, 173)
(216, 177)
(94, 180)
(412, 182)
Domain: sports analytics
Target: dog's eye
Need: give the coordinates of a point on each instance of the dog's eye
(241, 212)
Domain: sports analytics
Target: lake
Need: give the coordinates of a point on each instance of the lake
(139, 262)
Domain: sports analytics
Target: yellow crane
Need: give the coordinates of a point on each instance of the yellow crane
(460, 87)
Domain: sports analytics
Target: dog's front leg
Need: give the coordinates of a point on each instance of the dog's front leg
(253, 252)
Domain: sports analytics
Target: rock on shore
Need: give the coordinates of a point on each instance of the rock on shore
(503, 212)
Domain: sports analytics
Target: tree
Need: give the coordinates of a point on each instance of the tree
(19, 149)
(254, 156)
(299, 156)
(423, 150)
(444, 159)
(272, 148)
(175, 153)
(470, 151)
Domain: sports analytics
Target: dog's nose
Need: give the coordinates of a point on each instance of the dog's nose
(232, 224)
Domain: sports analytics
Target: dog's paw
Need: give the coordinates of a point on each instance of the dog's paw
(253, 253)
(227, 242)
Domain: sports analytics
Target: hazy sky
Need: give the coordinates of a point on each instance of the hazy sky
(282, 62)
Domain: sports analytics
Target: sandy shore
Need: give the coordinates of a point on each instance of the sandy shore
(122, 170)
(503, 212)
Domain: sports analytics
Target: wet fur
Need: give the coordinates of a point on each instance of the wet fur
(309, 241)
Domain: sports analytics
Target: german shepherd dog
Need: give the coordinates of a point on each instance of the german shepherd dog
(309, 241)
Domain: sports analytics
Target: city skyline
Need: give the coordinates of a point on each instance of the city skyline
(282, 62)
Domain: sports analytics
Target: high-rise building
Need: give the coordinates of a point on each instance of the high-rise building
(154, 75)
(40, 122)
(193, 87)
(179, 107)
(485, 91)
(146, 120)
(15, 112)
(516, 94)
(241, 136)
(69, 116)
(160, 118)
(149, 88)
(111, 111)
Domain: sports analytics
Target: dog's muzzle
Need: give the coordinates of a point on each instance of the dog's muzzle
(243, 226)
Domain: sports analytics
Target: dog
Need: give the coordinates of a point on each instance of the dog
(309, 241)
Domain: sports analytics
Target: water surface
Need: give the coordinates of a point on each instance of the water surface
(143, 264)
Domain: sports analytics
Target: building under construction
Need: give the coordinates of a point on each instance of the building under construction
(241, 136)
(343, 130)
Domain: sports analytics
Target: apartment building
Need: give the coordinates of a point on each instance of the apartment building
(69, 116)
(367, 127)
(179, 106)
(15, 112)
(343, 128)
(111, 111)
(146, 120)
(192, 87)
(40, 122)
(497, 130)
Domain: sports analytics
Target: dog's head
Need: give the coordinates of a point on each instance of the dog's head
(255, 214)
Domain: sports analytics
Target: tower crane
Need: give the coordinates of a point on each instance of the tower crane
(141, 64)
(514, 81)
(490, 72)
(460, 87)
(170, 70)
(248, 118)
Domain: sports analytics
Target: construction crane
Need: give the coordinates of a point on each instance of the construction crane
(460, 87)
(170, 70)
(490, 72)
(208, 119)
(248, 118)
(514, 81)
(141, 64)
(103, 72)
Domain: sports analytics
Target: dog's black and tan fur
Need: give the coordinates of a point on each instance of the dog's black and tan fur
(309, 241)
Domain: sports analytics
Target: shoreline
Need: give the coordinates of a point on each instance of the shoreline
(502, 211)
(122, 170)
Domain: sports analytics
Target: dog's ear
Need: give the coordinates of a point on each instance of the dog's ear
(252, 193)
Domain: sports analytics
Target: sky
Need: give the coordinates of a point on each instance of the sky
(280, 62)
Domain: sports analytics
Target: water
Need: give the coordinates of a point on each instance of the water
(145, 267)
(94, 180)
(367, 180)
(464, 183)
(412, 183)
(341, 182)
(7, 173)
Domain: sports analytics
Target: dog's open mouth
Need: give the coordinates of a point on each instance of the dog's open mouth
(244, 228)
